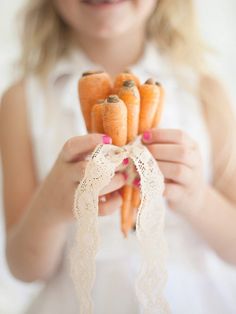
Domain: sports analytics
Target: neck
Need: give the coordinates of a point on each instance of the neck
(114, 54)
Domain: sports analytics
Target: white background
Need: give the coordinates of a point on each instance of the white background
(218, 24)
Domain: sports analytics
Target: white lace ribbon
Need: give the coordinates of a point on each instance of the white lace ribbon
(149, 226)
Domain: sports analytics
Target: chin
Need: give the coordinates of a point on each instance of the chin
(106, 28)
(108, 32)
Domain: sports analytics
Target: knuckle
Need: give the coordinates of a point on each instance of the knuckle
(67, 147)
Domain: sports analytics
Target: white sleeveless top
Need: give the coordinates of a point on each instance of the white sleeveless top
(198, 282)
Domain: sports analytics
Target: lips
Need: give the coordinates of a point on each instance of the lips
(101, 2)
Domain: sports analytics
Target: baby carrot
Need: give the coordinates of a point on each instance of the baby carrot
(130, 95)
(160, 106)
(122, 77)
(136, 197)
(115, 120)
(93, 86)
(97, 117)
(134, 204)
(125, 208)
(150, 96)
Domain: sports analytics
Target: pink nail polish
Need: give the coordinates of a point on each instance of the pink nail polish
(126, 161)
(147, 136)
(106, 139)
(136, 182)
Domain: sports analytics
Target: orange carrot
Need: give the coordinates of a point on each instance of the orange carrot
(130, 95)
(136, 197)
(160, 106)
(97, 117)
(93, 86)
(135, 202)
(126, 208)
(150, 95)
(122, 77)
(115, 120)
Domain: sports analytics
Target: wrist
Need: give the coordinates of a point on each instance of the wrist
(199, 205)
(47, 211)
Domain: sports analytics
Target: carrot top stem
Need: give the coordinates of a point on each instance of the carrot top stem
(87, 73)
(150, 81)
(113, 99)
(129, 83)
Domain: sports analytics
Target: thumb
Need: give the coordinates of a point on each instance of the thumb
(80, 145)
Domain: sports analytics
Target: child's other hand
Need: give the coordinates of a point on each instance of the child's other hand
(57, 191)
(180, 162)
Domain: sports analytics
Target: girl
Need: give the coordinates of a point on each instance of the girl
(44, 145)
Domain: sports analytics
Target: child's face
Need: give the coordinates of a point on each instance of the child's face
(105, 18)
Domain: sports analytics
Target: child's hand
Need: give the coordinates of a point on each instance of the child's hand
(180, 162)
(57, 191)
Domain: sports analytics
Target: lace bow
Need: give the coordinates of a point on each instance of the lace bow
(149, 226)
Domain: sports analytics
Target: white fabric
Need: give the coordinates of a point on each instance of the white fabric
(198, 282)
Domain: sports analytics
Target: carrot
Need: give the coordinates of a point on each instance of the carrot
(150, 95)
(130, 95)
(136, 197)
(135, 202)
(93, 86)
(115, 120)
(126, 208)
(122, 77)
(97, 117)
(160, 106)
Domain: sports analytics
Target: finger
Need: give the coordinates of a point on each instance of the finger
(77, 170)
(171, 136)
(116, 183)
(174, 153)
(111, 205)
(173, 194)
(176, 172)
(80, 145)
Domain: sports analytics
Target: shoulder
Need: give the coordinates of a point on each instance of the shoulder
(13, 98)
(13, 111)
(216, 102)
(213, 85)
(221, 122)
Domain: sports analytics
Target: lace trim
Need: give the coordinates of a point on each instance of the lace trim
(152, 277)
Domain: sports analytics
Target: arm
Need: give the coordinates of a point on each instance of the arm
(38, 215)
(26, 255)
(210, 210)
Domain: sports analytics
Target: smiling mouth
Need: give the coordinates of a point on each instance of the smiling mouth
(102, 2)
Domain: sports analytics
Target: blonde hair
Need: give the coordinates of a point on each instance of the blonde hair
(46, 39)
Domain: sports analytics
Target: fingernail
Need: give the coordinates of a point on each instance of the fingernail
(147, 136)
(106, 139)
(136, 182)
(126, 161)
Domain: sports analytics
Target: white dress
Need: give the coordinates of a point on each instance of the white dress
(198, 282)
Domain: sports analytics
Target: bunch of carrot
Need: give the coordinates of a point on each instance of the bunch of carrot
(121, 110)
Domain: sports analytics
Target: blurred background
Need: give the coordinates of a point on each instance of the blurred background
(218, 25)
